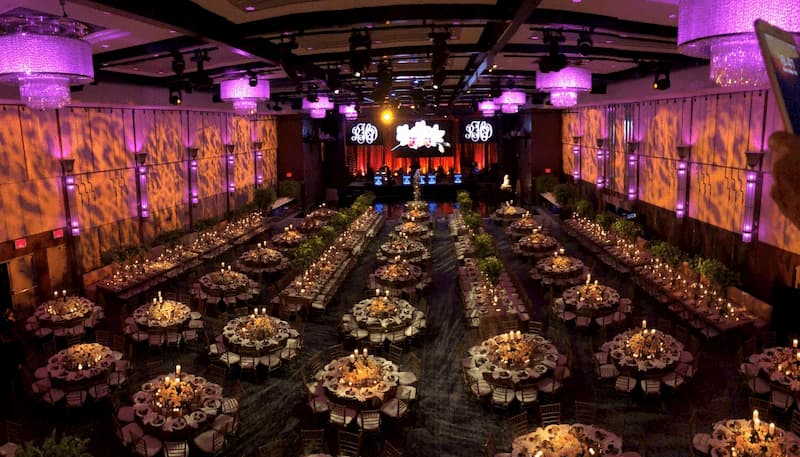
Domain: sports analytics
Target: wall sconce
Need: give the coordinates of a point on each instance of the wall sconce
(257, 156)
(194, 195)
(682, 199)
(632, 170)
(68, 168)
(751, 195)
(576, 157)
(141, 184)
(601, 162)
(230, 162)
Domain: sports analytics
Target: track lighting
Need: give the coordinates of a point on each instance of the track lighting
(175, 96)
(360, 50)
(253, 80)
(585, 43)
(554, 60)
(661, 81)
(178, 64)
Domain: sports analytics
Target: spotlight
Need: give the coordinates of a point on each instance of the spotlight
(175, 96)
(554, 60)
(661, 81)
(178, 64)
(357, 74)
(435, 86)
(360, 49)
(387, 115)
(253, 81)
(585, 43)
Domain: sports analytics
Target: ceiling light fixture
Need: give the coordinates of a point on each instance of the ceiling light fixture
(175, 96)
(349, 111)
(317, 109)
(360, 52)
(564, 85)
(661, 80)
(510, 100)
(487, 108)
(554, 60)
(722, 30)
(44, 55)
(244, 94)
(585, 43)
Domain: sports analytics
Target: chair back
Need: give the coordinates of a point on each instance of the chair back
(585, 412)
(395, 353)
(518, 425)
(349, 444)
(762, 406)
(176, 449)
(550, 414)
(312, 440)
(390, 451)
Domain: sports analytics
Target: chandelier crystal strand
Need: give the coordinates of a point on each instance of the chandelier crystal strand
(722, 30)
(564, 85)
(44, 55)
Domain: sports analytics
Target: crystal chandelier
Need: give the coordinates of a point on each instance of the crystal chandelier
(510, 101)
(349, 111)
(44, 56)
(722, 30)
(564, 85)
(244, 94)
(487, 108)
(318, 108)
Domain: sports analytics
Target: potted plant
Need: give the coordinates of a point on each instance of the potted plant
(491, 267)
(67, 446)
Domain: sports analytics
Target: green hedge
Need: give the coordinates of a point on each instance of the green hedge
(545, 183)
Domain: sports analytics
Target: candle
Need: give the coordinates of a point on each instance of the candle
(771, 428)
(644, 323)
(264, 311)
(755, 415)
(166, 379)
(80, 367)
(177, 370)
(377, 291)
(365, 352)
(352, 358)
(756, 423)
(55, 294)
(64, 292)
(794, 343)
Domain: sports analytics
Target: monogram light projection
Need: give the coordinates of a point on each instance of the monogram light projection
(364, 133)
(421, 135)
(478, 131)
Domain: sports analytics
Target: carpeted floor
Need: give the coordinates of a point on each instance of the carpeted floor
(446, 421)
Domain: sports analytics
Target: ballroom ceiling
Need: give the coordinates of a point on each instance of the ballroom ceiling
(304, 45)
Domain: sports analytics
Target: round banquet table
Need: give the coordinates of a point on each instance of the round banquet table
(162, 315)
(524, 226)
(567, 440)
(624, 350)
(64, 312)
(596, 299)
(560, 268)
(417, 215)
(382, 317)
(414, 230)
(417, 204)
(405, 249)
(508, 213)
(780, 367)
(201, 402)
(486, 360)
(398, 275)
(225, 283)
(288, 240)
(308, 226)
(262, 260)
(736, 433)
(322, 213)
(80, 366)
(537, 245)
(252, 332)
(334, 376)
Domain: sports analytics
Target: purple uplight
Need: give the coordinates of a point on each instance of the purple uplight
(576, 162)
(722, 30)
(682, 191)
(601, 168)
(144, 210)
(632, 177)
(249, 8)
(748, 216)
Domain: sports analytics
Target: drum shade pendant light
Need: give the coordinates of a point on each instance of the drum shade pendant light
(318, 108)
(510, 100)
(244, 93)
(349, 111)
(44, 56)
(564, 85)
(722, 30)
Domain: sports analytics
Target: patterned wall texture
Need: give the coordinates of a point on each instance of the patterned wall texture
(103, 142)
(720, 128)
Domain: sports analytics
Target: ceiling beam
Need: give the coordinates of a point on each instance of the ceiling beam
(392, 53)
(532, 50)
(378, 15)
(484, 61)
(191, 19)
(148, 49)
(560, 17)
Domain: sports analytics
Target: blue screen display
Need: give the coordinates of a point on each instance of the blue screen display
(457, 178)
(378, 180)
(431, 179)
(406, 180)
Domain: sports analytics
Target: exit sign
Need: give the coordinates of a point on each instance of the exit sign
(58, 234)
(21, 243)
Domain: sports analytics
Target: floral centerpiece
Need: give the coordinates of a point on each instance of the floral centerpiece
(311, 225)
(417, 205)
(513, 350)
(411, 228)
(647, 344)
(256, 327)
(381, 307)
(290, 237)
(416, 215)
(562, 440)
(322, 212)
(508, 211)
(361, 371)
(174, 396)
(83, 356)
(403, 247)
(262, 256)
(537, 242)
(398, 272)
(525, 224)
(559, 265)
